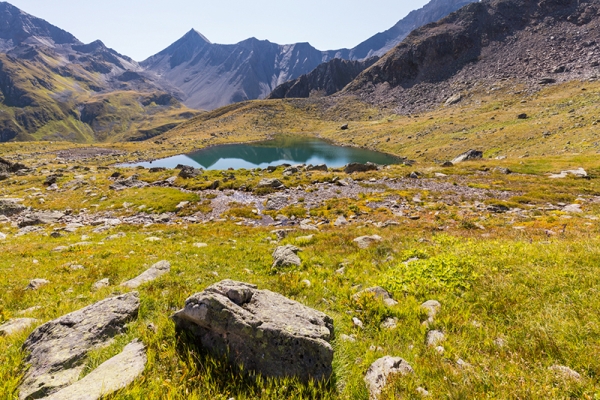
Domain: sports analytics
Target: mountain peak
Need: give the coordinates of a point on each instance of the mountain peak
(195, 36)
(16, 26)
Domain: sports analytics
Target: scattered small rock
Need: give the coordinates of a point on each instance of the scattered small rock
(154, 272)
(434, 338)
(381, 371)
(366, 241)
(189, 172)
(270, 182)
(390, 323)
(35, 284)
(286, 256)
(577, 173)
(453, 99)
(379, 293)
(340, 221)
(101, 284)
(432, 307)
(565, 372)
(17, 325)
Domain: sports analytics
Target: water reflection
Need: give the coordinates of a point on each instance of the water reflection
(281, 150)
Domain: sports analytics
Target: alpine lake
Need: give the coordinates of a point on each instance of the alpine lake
(283, 149)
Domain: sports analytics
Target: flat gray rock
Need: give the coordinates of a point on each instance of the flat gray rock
(261, 330)
(285, 256)
(381, 371)
(17, 325)
(57, 349)
(41, 218)
(115, 374)
(154, 272)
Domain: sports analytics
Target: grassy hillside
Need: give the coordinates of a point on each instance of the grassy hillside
(561, 119)
(44, 98)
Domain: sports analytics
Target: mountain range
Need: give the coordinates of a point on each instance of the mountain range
(54, 87)
(214, 75)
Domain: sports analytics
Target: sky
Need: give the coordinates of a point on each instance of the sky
(141, 28)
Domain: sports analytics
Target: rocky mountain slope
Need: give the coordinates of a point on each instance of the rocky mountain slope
(528, 43)
(54, 87)
(382, 42)
(327, 79)
(214, 75)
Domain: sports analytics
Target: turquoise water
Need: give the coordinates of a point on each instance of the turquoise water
(281, 150)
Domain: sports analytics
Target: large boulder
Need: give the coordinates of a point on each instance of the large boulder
(261, 330)
(57, 349)
(154, 272)
(115, 374)
(381, 372)
(357, 167)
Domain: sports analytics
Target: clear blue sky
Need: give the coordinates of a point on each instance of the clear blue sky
(141, 28)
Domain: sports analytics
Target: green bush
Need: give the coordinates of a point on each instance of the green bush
(433, 275)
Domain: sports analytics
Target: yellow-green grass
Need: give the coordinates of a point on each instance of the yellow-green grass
(535, 287)
(539, 295)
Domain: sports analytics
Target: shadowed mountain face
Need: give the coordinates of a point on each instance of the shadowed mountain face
(327, 79)
(530, 42)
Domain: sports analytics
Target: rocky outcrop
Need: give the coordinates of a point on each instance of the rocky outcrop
(261, 330)
(57, 349)
(115, 374)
